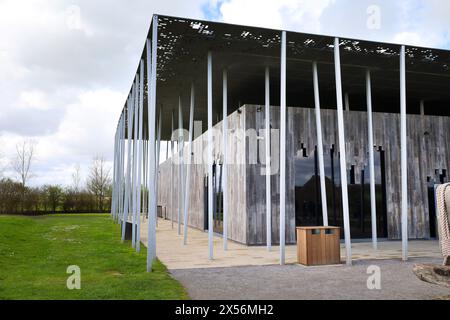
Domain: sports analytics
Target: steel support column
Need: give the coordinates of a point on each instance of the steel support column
(373, 203)
(180, 163)
(225, 157)
(210, 159)
(346, 102)
(323, 189)
(151, 67)
(172, 183)
(139, 157)
(404, 154)
(268, 162)
(342, 155)
(127, 205)
(135, 161)
(157, 151)
(114, 179)
(188, 166)
(283, 151)
(122, 167)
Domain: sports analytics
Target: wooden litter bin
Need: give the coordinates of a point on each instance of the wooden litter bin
(318, 246)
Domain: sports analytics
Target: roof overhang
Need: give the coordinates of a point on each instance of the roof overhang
(245, 51)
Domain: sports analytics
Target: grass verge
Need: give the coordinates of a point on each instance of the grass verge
(35, 253)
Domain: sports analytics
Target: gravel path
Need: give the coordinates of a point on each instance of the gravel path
(294, 282)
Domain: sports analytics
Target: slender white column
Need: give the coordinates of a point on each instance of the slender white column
(188, 165)
(268, 162)
(123, 181)
(373, 203)
(283, 151)
(422, 107)
(115, 193)
(139, 158)
(225, 159)
(347, 102)
(180, 164)
(119, 155)
(172, 183)
(114, 183)
(114, 180)
(342, 154)
(135, 160)
(404, 154)
(152, 61)
(127, 205)
(121, 166)
(158, 149)
(117, 202)
(144, 176)
(323, 188)
(167, 150)
(210, 160)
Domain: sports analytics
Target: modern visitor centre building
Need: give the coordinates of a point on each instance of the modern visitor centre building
(281, 130)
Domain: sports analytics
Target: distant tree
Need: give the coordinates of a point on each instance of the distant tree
(69, 201)
(86, 202)
(21, 164)
(99, 181)
(54, 195)
(2, 168)
(32, 201)
(23, 159)
(10, 196)
(76, 178)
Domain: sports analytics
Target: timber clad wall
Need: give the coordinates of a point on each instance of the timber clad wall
(428, 151)
(236, 179)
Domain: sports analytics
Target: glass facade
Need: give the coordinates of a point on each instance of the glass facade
(308, 205)
(440, 177)
(217, 200)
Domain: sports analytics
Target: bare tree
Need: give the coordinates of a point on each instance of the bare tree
(76, 178)
(22, 162)
(99, 181)
(2, 168)
(1, 160)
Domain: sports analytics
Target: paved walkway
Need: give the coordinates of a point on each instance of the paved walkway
(243, 272)
(295, 282)
(172, 252)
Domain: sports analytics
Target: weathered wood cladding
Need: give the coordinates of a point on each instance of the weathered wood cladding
(236, 179)
(428, 151)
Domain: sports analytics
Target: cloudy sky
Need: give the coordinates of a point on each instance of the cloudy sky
(66, 66)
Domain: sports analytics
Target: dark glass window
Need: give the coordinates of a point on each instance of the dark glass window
(308, 196)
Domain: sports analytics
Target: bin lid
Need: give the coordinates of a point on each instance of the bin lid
(314, 228)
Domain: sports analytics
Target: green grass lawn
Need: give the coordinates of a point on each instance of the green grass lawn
(36, 251)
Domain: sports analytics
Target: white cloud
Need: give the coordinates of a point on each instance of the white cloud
(412, 22)
(283, 14)
(34, 99)
(66, 65)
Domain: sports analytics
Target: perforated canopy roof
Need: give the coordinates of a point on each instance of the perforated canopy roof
(245, 51)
